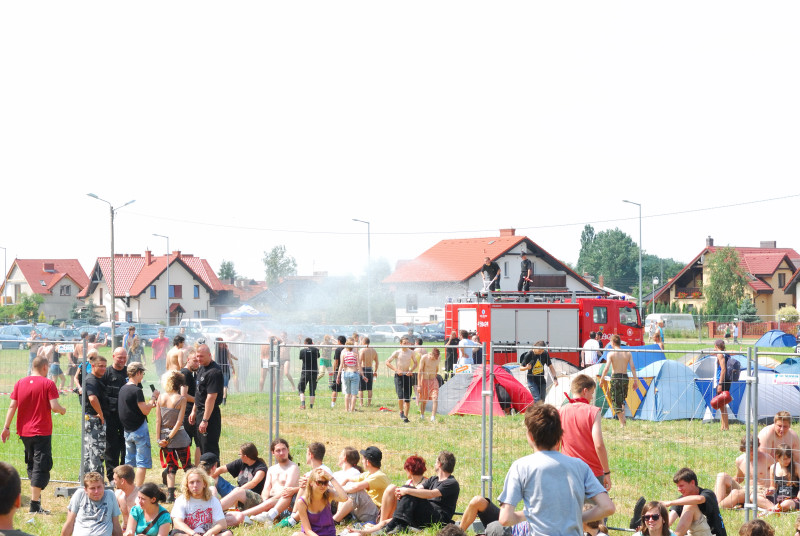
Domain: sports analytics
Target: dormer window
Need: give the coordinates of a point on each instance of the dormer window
(41, 282)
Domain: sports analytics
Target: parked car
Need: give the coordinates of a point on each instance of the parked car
(191, 334)
(66, 334)
(369, 331)
(394, 332)
(12, 338)
(432, 333)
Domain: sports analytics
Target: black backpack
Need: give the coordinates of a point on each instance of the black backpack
(732, 369)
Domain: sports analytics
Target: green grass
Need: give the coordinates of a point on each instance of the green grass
(643, 456)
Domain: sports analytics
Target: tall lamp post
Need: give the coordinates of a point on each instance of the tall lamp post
(5, 275)
(113, 288)
(369, 273)
(640, 252)
(168, 252)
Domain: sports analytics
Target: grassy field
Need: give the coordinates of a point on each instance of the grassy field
(644, 455)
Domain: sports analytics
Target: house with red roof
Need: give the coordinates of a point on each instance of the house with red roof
(769, 270)
(451, 270)
(143, 295)
(58, 281)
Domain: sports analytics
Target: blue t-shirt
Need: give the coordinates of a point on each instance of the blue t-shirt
(163, 518)
(223, 487)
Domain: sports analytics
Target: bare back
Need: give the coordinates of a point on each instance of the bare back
(368, 357)
(619, 361)
(175, 359)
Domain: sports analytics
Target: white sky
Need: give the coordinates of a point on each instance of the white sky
(231, 123)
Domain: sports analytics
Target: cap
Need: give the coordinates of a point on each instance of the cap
(135, 367)
(373, 455)
(210, 458)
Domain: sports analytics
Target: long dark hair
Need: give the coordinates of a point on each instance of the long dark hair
(662, 510)
(786, 450)
(151, 490)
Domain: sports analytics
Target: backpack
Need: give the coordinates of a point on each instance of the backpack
(732, 369)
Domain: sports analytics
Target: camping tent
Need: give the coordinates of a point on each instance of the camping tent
(790, 366)
(641, 358)
(470, 403)
(245, 312)
(776, 338)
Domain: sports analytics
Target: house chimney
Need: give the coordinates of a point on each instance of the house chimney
(507, 232)
(769, 244)
(148, 257)
(176, 253)
(49, 267)
(709, 242)
(601, 282)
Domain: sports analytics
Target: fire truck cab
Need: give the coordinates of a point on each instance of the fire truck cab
(562, 320)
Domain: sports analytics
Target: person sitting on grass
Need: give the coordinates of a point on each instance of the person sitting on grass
(756, 527)
(552, 486)
(696, 508)
(10, 499)
(93, 510)
(221, 487)
(415, 470)
(148, 517)
(315, 453)
(784, 480)
(728, 489)
(365, 493)
(197, 512)
(655, 520)
(280, 476)
(250, 471)
(314, 505)
(125, 490)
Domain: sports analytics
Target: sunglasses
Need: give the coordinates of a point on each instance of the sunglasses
(321, 482)
(653, 517)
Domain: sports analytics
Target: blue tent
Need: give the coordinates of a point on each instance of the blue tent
(790, 366)
(672, 393)
(776, 338)
(640, 359)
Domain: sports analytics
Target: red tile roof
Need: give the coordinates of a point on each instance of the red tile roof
(33, 272)
(133, 275)
(461, 258)
(247, 291)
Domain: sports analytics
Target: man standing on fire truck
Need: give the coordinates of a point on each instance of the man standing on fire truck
(525, 274)
(491, 273)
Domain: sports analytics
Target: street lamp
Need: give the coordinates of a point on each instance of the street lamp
(164, 236)
(5, 275)
(640, 251)
(369, 274)
(113, 288)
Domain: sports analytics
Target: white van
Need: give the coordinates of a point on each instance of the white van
(674, 321)
(200, 323)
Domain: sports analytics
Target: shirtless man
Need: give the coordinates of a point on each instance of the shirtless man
(49, 352)
(427, 383)
(124, 490)
(285, 359)
(368, 359)
(777, 433)
(728, 489)
(283, 474)
(403, 372)
(619, 361)
(176, 357)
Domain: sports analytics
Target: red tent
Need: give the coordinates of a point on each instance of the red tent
(471, 403)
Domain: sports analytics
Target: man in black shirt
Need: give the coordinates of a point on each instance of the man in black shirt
(435, 502)
(309, 357)
(133, 411)
(336, 387)
(491, 274)
(190, 375)
(97, 408)
(696, 507)
(207, 400)
(525, 273)
(115, 377)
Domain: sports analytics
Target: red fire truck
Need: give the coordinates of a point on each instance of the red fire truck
(561, 319)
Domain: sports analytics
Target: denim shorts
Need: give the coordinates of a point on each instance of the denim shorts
(536, 391)
(137, 447)
(350, 381)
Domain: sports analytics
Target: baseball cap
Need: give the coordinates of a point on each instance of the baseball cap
(373, 455)
(210, 458)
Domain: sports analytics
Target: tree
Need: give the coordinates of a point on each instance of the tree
(28, 307)
(226, 271)
(278, 264)
(748, 312)
(787, 314)
(612, 254)
(726, 280)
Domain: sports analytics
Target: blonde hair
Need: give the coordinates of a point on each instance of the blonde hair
(173, 381)
(316, 474)
(206, 480)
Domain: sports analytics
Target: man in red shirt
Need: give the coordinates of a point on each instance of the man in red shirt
(35, 396)
(583, 435)
(160, 345)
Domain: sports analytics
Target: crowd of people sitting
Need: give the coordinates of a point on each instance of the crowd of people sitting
(563, 485)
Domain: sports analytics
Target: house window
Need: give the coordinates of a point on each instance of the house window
(781, 305)
(65, 290)
(781, 280)
(505, 269)
(153, 292)
(600, 315)
(101, 298)
(176, 291)
(128, 316)
(197, 292)
(433, 318)
(411, 303)
(201, 314)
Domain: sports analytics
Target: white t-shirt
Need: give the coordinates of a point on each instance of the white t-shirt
(198, 514)
(468, 346)
(590, 348)
(346, 474)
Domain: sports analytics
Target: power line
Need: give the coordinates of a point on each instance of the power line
(461, 231)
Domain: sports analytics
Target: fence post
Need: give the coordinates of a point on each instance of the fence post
(491, 418)
(271, 380)
(483, 426)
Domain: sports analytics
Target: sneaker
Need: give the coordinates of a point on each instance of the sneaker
(283, 523)
(405, 419)
(247, 521)
(41, 511)
(433, 418)
(261, 518)
(358, 526)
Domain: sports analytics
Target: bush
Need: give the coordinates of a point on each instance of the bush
(787, 314)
